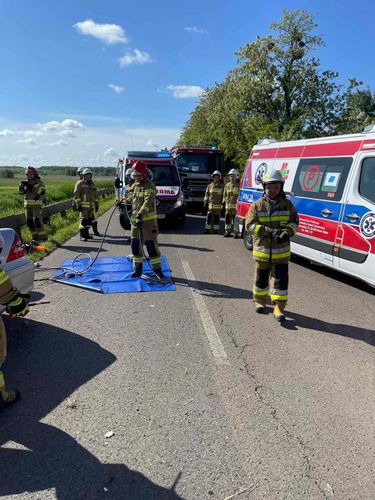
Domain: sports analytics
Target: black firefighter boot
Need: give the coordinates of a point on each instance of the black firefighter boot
(95, 228)
(7, 397)
(159, 273)
(82, 234)
(138, 270)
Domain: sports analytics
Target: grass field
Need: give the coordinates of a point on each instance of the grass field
(58, 188)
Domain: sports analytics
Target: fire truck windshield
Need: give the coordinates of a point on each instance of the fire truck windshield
(198, 163)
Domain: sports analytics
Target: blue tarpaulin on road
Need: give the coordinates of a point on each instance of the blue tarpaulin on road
(112, 275)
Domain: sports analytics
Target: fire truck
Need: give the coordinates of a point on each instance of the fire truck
(196, 165)
(170, 203)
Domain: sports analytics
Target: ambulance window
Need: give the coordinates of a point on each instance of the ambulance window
(321, 178)
(367, 182)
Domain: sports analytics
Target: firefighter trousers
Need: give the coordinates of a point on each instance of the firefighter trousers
(272, 279)
(213, 221)
(229, 219)
(149, 238)
(34, 221)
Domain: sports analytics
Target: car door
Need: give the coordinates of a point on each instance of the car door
(355, 244)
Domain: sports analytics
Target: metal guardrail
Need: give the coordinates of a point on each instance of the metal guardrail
(18, 220)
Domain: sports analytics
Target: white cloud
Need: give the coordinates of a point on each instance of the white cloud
(66, 133)
(185, 91)
(111, 152)
(194, 29)
(60, 142)
(56, 126)
(22, 158)
(116, 88)
(110, 34)
(29, 142)
(135, 57)
(32, 133)
(153, 144)
(6, 133)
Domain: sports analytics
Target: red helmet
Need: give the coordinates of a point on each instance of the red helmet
(32, 170)
(139, 167)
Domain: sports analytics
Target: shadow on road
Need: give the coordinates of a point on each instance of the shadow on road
(84, 248)
(186, 247)
(48, 364)
(354, 332)
(215, 289)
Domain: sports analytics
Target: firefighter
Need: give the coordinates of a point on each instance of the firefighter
(272, 221)
(213, 200)
(231, 190)
(79, 173)
(15, 306)
(144, 230)
(33, 190)
(85, 200)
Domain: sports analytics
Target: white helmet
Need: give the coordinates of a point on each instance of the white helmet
(128, 171)
(233, 171)
(87, 171)
(272, 176)
(216, 173)
(80, 170)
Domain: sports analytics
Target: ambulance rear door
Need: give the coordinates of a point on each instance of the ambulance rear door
(355, 244)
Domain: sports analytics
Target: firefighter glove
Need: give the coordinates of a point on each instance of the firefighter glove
(282, 236)
(138, 222)
(274, 233)
(17, 307)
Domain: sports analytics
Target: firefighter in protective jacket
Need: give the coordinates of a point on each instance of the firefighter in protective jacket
(85, 200)
(272, 221)
(33, 190)
(213, 199)
(231, 190)
(144, 226)
(15, 306)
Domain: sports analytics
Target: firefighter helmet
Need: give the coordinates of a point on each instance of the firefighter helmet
(272, 176)
(87, 171)
(216, 173)
(31, 170)
(80, 170)
(233, 171)
(139, 169)
(128, 172)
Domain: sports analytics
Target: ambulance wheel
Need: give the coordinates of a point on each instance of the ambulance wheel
(248, 242)
(124, 222)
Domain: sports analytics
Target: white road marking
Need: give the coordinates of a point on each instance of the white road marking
(217, 348)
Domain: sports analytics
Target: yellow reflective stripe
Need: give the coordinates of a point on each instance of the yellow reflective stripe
(292, 226)
(216, 190)
(2, 381)
(231, 206)
(28, 203)
(260, 294)
(280, 255)
(155, 260)
(137, 260)
(149, 191)
(15, 302)
(215, 207)
(274, 218)
(256, 230)
(256, 253)
(278, 297)
(3, 277)
(149, 217)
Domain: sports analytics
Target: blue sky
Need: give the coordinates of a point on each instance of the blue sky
(83, 81)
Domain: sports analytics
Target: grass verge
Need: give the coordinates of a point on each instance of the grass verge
(62, 229)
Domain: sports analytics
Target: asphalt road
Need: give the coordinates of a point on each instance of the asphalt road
(205, 399)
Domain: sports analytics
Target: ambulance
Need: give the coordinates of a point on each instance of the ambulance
(331, 182)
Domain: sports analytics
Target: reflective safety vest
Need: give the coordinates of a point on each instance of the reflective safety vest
(142, 196)
(34, 194)
(214, 196)
(85, 194)
(231, 194)
(266, 214)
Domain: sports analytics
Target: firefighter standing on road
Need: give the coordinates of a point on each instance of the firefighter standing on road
(213, 199)
(144, 230)
(15, 306)
(231, 190)
(85, 200)
(272, 221)
(33, 190)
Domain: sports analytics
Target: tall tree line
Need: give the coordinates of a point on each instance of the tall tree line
(278, 89)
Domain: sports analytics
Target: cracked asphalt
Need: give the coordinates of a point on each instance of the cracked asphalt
(290, 416)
